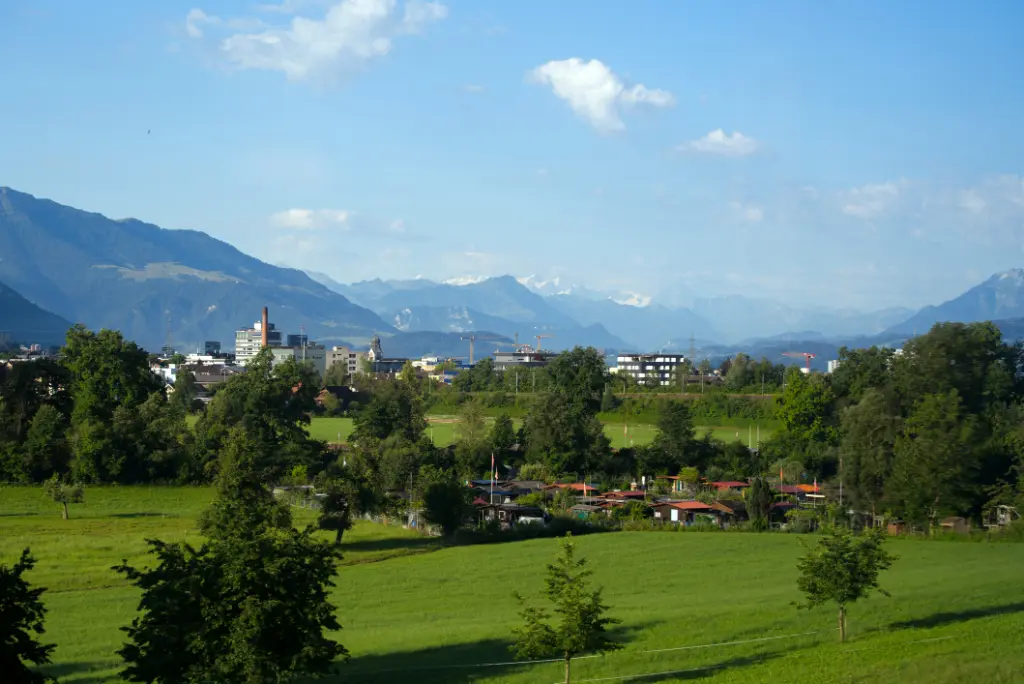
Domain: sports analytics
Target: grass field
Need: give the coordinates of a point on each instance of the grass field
(443, 430)
(720, 603)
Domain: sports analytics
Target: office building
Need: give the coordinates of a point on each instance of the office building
(249, 341)
(212, 347)
(349, 357)
(649, 368)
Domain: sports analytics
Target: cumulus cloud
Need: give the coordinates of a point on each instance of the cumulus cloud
(723, 144)
(310, 219)
(350, 33)
(595, 92)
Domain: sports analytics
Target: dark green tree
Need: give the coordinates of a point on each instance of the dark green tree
(759, 499)
(45, 450)
(608, 402)
(869, 432)
(582, 622)
(579, 375)
(565, 441)
(250, 605)
(446, 503)
(502, 437)
(843, 569)
(393, 410)
(934, 464)
(342, 498)
(186, 390)
(21, 621)
(676, 436)
(274, 404)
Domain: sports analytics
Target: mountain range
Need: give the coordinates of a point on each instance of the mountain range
(60, 264)
(22, 321)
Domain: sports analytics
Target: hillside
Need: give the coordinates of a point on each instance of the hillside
(23, 322)
(140, 279)
(999, 297)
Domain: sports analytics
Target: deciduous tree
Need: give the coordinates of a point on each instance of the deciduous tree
(843, 569)
(63, 493)
(582, 621)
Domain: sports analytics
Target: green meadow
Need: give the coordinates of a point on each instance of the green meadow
(694, 605)
(444, 431)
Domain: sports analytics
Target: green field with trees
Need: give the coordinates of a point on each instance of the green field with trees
(429, 606)
(218, 579)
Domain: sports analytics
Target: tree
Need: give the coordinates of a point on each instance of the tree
(608, 399)
(185, 390)
(446, 504)
(933, 460)
(250, 605)
(843, 569)
(393, 410)
(344, 497)
(45, 450)
(336, 375)
(580, 375)
(759, 499)
(408, 373)
(564, 440)
(869, 432)
(471, 443)
(676, 435)
(582, 625)
(63, 493)
(21, 619)
(273, 404)
(503, 436)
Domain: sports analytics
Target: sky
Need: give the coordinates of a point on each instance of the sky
(856, 155)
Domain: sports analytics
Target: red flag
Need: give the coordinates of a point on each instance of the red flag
(781, 478)
(815, 485)
(494, 473)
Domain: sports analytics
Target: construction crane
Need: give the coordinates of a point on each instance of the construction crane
(539, 338)
(472, 339)
(806, 355)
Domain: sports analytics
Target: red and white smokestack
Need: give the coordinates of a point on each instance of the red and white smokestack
(265, 329)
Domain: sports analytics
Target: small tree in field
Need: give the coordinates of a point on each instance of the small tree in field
(21, 616)
(63, 493)
(842, 569)
(582, 624)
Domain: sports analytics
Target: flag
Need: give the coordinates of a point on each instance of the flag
(815, 485)
(781, 478)
(494, 473)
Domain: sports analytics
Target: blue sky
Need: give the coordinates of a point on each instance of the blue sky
(850, 154)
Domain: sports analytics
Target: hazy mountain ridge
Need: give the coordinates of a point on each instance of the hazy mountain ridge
(23, 322)
(1000, 297)
(143, 279)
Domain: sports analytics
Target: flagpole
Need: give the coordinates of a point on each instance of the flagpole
(492, 478)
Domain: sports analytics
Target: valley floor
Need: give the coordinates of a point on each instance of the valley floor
(715, 606)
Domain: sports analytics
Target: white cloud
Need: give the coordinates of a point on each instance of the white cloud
(595, 92)
(350, 33)
(472, 88)
(310, 219)
(723, 144)
(748, 213)
(195, 20)
(972, 201)
(870, 201)
(397, 226)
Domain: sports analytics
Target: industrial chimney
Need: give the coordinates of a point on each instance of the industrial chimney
(265, 329)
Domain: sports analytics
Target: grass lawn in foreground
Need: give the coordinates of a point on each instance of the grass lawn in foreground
(720, 602)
